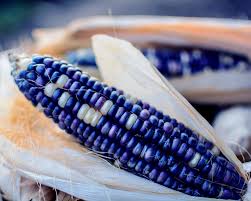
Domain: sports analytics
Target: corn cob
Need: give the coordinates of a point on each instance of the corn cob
(176, 62)
(127, 131)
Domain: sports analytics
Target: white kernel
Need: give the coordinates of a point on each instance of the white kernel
(193, 163)
(215, 151)
(106, 107)
(62, 81)
(89, 115)
(40, 107)
(133, 99)
(49, 89)
(82, 111)
(63, 99)
(96, 118)
(131, 120)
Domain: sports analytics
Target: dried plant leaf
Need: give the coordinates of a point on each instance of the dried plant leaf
(125, 67)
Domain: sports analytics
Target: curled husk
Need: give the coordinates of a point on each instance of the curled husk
(33, 146)
(234, 126)
(231, 86)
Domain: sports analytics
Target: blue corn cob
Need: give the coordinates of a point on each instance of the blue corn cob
(175, 62)
(127, 131)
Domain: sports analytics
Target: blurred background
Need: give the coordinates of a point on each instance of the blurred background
(18, 18)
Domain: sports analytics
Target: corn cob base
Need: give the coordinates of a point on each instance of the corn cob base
(126, 131)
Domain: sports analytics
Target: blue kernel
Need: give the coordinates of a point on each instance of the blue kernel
(152, 110)
(153, 175)
(90, 82)
(74, 87)
(157, 135)
(62, 67)
(149, 134)
(33, 91)
(68, 120)
(184, 137)
(31, 76)
(68, 84)
(174, 122)
(154, 120)
(192, 141)
(84, 78)
(87, 132)
(38, 59)
(181, 127)
(77, 76)
(128, 105)
(62, 116)
(114, 96)
(97, 86)
(118, 153)
(149, 154)
(70, 71)
(170, 161)
(140, 166)
(136, 109)
(80, 92)
(40, 69)
(107, 91)
(76, 108)
(48, 73)
(169, 181)
(70, 103)
(56, 112)
(56, 65)
(161, 123)
(158, 155)
(166, 118)
(94, 99)
(147, 169)
(61, 125)
(168, 127)
(182, 150)
(49, 109)
(106, 128)
(145, 106)
(112, 149)
(39, 96)
(175, 169)
(144, 114)
(132, 162)
(57, 93)
(159, 114)
(189, 154)
(137, 149)
(119, 113)
(45, 101)
(31, 67)
(125, 138)
(201, 148)
(163, 161)
(55, 77)
(48, 62)
(121, 100)
(113, 111)
(123, 119)
(98, 141)
(162, 177)
(190, 177)
(87, 96)
(40, 81)
(131, 144)
(124, 158)
(175, 133)
(137, 125)
(183, 173)
(145, 127)
(74, 125)
(81, 128)
(101, 123)
(113, 131)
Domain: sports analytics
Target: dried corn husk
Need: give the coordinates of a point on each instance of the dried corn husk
(232, 86)
(234, 125)
(34, 148)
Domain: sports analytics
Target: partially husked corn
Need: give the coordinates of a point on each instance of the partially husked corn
(127, 131)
